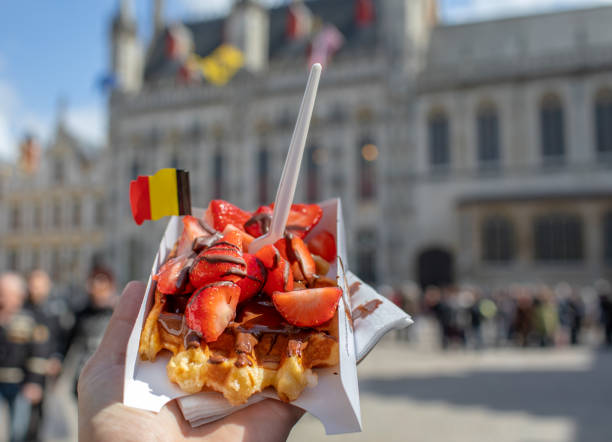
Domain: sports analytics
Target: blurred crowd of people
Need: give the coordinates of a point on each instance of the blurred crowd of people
(44, 334)
(520, 314)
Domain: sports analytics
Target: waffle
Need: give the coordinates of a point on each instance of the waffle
(256, 351)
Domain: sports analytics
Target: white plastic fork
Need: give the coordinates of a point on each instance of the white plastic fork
(289, 177)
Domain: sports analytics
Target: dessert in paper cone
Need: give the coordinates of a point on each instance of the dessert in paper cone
(237, 323)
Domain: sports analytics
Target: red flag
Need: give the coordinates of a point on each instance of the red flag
(179, 43)
(325, 44)
(299, 21)
(364, 13)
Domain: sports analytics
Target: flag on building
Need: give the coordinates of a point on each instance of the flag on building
(325, 44)
(179, 42)
(222, 64)
(299, 21)
(107, 82)
(364, 13)
(29, 155)
(164, 194)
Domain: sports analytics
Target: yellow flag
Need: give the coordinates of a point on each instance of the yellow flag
(219, 67)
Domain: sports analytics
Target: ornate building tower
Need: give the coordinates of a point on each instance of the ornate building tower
(126, 50)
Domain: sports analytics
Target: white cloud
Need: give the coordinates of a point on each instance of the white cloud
(472, 10)
(88, 123)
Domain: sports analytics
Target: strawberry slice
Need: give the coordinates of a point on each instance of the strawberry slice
(245, 237)
(307, 308)
(280, 277)
(223, 261)
(220, 213)
(302, 218)
(259, 223)
(173, 277)
(211, 309)
(324, 245)
(281, 246)
(255, 279)
(300, 253)
(192, 228)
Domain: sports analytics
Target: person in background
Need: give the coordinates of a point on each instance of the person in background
(605, 304)
(23, 360)
(92, 320)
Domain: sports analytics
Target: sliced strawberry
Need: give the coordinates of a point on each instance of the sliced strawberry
(220, 213)
(192, 228)
(259, 223)
(223, 261)
(307, 308)
(245, 237)
(297, 272)
(233, 237)
(280, 278)
(324, 245)
(281, 246)
(302, 218)
(269, 256)
(300, 253)
(173, 277)
(211, 309)
(255, 279)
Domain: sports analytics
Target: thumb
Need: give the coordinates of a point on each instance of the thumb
(120, 326)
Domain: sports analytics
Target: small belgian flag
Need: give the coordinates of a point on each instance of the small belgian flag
(164, 194)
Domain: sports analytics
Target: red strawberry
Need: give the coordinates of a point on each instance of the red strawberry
(223, 261)
(255, 279)
(269, 256)
(324, 245)
(300, 253)
(259, 222)
(245, 237)
(281, 246)
(280, 278)
(211, 309)
(173, 277)
(220, 213)
(192, 228)
(307, 308)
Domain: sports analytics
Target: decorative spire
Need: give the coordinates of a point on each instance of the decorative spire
(158, 17)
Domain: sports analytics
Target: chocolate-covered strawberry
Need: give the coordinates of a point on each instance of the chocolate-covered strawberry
(211, 308)
(223, 261)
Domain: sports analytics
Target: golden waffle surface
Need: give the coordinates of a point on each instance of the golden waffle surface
(240, 364)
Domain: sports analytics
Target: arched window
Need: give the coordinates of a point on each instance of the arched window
(498, 241)
(368, 154)
(487, 123)
(607, 233)
(263, 169)
(552, 131)
(558, 238)
(217, 174)
(439, 153)
(312, 174)
(603, 121)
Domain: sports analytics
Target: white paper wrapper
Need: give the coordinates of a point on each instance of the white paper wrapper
(335, 398)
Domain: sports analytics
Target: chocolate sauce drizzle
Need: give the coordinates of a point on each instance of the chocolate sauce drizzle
(263, 219)
(364, 310)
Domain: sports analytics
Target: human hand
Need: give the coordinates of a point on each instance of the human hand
(103, 417)
(32, 392)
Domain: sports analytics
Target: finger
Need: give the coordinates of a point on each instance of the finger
(120, 326)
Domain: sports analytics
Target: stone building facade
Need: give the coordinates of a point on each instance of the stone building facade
(462, 153)
(54, 216)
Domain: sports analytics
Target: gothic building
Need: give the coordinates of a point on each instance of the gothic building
(462, 153)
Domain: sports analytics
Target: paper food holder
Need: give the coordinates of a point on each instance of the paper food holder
(335, 398)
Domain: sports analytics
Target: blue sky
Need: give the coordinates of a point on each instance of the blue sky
(53, 49)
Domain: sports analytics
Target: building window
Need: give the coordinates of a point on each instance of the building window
(37, 217)
(367, 169)
(134, 169)
(217, 174)
(558, 238)
(12, 260)
(366, 255)
(174, 160)
(312, 174)
(58, 171)
(57, 215)
(197, 132)
(487, 123)
(498, 240)
(56, 265)
(15, 218)
(76, 214)
(36, 259)
(603, 122)
(552, 131)
(439, 152)
(608, 237)
(99, 213)
(263, 169)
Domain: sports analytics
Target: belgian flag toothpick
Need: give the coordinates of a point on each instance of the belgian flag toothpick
(164, 194)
